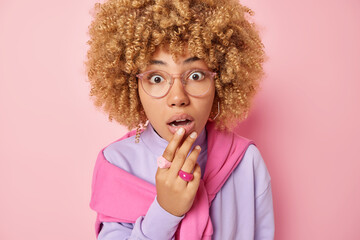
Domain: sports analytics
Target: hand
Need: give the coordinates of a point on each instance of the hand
(174, 194)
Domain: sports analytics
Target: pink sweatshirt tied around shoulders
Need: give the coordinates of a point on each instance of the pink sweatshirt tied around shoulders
(118, 196)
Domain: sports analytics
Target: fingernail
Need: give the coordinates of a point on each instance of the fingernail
(198, 147)
(193, 135)
(180, 131)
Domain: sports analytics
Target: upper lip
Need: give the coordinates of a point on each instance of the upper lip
(181, 116)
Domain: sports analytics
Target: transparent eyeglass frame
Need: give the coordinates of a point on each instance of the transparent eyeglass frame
(171, 78)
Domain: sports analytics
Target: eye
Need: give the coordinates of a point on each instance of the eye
(156, 79)
(196, 76)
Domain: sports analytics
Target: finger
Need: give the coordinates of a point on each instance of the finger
(193, 185)
(190, 162)
(182, 153)
(173, 145)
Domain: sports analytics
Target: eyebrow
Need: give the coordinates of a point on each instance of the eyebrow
(192, 59)
(187, 61)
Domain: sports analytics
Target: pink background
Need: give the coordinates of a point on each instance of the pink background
(304, 120)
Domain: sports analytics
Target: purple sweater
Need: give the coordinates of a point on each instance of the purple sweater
(242, 209)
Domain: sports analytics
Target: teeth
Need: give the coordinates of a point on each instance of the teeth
(176, 122)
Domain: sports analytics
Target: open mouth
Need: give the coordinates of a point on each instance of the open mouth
(180, 122)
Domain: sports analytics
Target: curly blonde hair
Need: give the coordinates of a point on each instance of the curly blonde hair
(125, 33)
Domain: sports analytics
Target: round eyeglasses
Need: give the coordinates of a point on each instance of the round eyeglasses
(157, 83)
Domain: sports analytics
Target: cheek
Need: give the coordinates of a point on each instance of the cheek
(152, 107)
(210, 101)
(144, 101)
(204, 108)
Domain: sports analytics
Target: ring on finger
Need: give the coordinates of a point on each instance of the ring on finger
(163, 162)
(186, 176)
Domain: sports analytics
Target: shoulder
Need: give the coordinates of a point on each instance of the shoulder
(118, 153)
(253, 155)
(135, 158)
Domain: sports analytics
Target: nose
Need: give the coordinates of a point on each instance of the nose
(177, 97)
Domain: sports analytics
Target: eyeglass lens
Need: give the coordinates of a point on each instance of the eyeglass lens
(158, 83)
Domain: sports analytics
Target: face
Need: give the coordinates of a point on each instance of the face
(176, 109)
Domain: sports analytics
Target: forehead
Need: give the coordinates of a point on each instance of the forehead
(164, 59)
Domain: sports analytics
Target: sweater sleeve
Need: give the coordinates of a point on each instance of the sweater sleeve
(156, 224)
(243, 208)
(264, 218)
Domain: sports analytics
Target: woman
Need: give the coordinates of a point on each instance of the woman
(189, 68)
